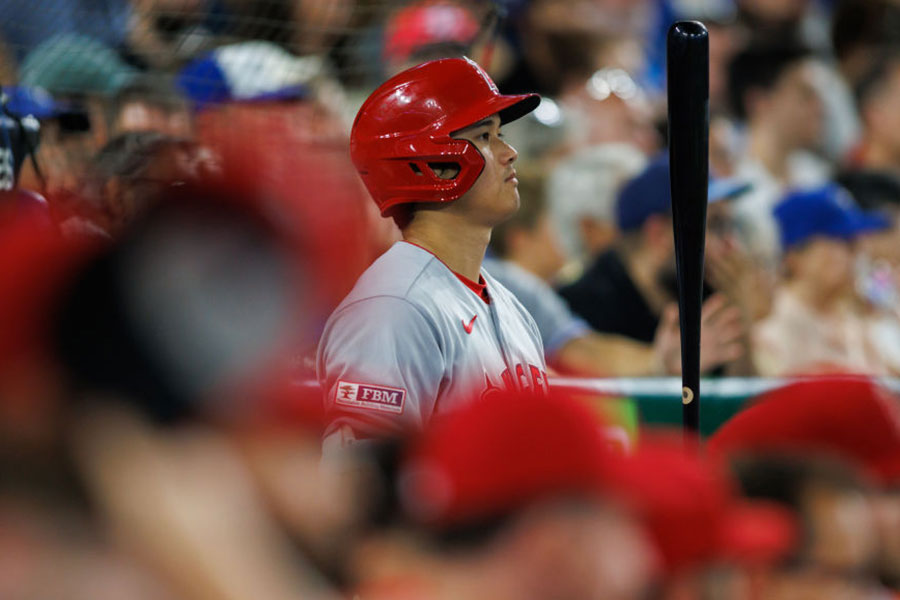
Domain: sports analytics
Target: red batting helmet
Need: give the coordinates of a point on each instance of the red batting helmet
(406, 124)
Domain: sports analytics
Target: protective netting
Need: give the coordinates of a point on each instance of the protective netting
(210, 49)
(91, 70)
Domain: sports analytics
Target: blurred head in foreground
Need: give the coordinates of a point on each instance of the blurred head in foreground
(508, 498)
(163, 360)
(829, 447)
(710, 540)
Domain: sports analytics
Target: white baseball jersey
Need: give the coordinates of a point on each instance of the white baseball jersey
(412, 341)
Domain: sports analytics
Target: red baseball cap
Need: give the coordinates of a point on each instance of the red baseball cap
(849, 417)
(495, 456)
(692, 511)
(424, 23)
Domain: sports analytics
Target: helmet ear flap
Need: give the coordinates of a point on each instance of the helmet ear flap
(433, 170)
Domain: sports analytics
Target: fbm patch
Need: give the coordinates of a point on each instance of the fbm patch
(364, 395)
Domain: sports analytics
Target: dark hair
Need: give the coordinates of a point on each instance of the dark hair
(136, 161)
(532, 191)
(759, 67)
(128, 154)
(872, 189)
(878, 71)
(859, 24)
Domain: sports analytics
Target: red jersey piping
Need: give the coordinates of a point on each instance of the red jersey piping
(480, 288)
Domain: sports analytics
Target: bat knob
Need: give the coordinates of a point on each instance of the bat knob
(688, 29)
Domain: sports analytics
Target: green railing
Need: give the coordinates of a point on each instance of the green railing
(658, 401)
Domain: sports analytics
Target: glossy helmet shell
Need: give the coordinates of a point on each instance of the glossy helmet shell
(407, 123)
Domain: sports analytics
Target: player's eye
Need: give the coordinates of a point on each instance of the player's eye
(486, 136)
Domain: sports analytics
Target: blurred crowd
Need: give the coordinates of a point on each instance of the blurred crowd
(801, 109)
(179, 215)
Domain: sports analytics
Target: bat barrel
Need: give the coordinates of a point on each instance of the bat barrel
(688, 106)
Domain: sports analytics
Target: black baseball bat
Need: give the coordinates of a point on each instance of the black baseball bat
(687, 52)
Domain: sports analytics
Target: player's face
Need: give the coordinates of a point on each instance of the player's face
(495, 196)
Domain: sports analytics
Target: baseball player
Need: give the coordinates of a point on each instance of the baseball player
(426, 328)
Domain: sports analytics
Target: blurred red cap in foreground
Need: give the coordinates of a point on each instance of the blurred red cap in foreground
(692, 511)
(495, 456)
(852, 418)
(38, 266)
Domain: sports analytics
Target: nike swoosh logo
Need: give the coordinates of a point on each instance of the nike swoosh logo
(468, 327)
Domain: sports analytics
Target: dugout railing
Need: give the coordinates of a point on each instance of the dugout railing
(657, 401)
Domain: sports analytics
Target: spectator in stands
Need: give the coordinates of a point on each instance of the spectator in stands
(877, 94)
(528, 255)
(584, 55)
(769, 20)
(130, 173)
(630, 289)
(319, 24)
(609, 106)
(85, 73)
(814, 325)
(860, 31)
(877, 269)
(162, 34)
(25, 25)
(429, 30)
(878, 191)
(773, 91)
(564, 42)
(150, 103)
(581, 196)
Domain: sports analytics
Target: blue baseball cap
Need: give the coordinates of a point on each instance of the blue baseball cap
(649, 194)
(23, 101)
(253, 71)
(827, 211)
